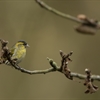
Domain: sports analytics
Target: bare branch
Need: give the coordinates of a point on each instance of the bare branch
(67, 16)
(91, 88)
(5, 55)
(86, 25)
(35, 71)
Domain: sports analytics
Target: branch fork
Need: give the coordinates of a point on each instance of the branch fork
(64, 64)
(91, 88)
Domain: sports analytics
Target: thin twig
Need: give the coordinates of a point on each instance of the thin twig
(67, 16)
(35, 71)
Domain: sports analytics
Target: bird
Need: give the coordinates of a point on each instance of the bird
(18, 52)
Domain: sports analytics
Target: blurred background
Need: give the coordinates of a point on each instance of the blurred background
(47, 33)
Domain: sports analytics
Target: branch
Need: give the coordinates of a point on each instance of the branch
(5, 55)
(35, 71)
(67, 16)
(91, 88)
(86, 25)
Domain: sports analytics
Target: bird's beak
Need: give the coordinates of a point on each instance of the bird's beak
(27, 45)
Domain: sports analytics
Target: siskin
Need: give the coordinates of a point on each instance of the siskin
(18, 52)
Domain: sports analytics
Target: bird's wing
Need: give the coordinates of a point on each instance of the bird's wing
(13, 51)
(18, 52)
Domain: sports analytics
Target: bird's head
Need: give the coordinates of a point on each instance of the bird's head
(21, 42)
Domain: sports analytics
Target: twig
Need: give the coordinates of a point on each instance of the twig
(67, 16)
(5, 55)
(35, 71)
(87, 25)
(91, 88)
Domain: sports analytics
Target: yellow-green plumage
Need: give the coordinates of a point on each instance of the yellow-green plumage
(18, 51)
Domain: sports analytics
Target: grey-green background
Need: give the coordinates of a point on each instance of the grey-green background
(47, 33)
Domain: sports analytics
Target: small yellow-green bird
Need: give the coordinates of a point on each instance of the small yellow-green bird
(18, 52)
